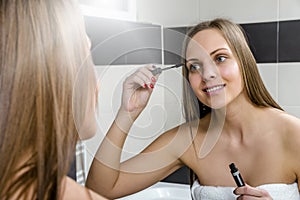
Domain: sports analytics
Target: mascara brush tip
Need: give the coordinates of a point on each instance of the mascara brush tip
(179, 65)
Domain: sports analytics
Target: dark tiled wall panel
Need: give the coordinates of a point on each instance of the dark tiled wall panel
(72, 170)
(262, 38)
(173, 41)
(120, 42)
(270, 47)
(289, 41)
(266, 45)
(180, 176)
(116, 42)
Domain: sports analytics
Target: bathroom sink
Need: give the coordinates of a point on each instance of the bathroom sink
(162, 191)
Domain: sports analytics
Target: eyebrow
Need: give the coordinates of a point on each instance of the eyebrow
(192, 59)
(219, 49)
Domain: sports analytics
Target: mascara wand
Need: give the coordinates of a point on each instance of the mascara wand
(159, 70)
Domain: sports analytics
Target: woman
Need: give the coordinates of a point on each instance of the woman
(238, 122)
(43, 51)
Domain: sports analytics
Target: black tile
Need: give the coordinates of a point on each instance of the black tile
(263, 41)
(112, 40)
(267, 45)
(144, 56)
(289, 41)
(72, 170)
(173, 42)
(179, 176)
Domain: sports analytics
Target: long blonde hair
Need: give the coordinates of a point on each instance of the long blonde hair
(253, 84)
(43, 47)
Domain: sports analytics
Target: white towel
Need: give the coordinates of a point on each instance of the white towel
(278, 191)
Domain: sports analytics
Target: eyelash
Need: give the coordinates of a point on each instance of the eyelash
(194, 67)
(220, 56)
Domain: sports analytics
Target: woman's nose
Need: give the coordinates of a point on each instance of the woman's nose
(209, 72)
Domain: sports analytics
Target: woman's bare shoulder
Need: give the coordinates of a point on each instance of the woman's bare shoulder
(290, 123)
(289, 127)
(73, 190)
(283, 120)
(290, 137)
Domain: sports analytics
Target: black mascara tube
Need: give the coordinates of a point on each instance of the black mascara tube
(236, 175)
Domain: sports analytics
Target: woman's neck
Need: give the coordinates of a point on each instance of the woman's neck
(236, 116)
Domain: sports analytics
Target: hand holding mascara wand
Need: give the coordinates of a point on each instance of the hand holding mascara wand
(159, 70)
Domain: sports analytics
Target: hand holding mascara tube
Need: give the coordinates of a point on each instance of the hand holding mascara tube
(236, 175)
(249, 191)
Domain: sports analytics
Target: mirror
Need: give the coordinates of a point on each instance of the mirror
(119, 46)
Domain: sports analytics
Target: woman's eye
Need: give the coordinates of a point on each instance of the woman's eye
(220, 58)
(194, 67)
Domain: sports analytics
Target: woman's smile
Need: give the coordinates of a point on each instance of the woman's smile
(213, 90)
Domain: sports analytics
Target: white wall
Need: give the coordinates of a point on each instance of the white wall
(283, 79)
(171, 13)
(168, 12)
(245, 11)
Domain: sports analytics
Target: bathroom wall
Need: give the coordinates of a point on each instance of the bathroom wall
(119, 47)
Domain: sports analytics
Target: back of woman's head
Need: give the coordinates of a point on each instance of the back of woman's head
(237, 41)
(43, 47)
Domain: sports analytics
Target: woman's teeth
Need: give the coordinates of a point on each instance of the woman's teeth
(212, 89)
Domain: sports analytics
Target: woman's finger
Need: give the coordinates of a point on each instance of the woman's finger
(147, 72)
(251, 191)
(144, 74)
(247, 197)
(151, 68)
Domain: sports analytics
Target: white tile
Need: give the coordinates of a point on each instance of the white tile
(172, 84)
(110, 79)
(174, 13)
(289, 10)
(288, 84)
(169, 13)
(293, 110)
(241, 11)
(268, 73)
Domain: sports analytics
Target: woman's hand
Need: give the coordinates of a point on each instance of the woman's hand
(251, 193)
(137, 89)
